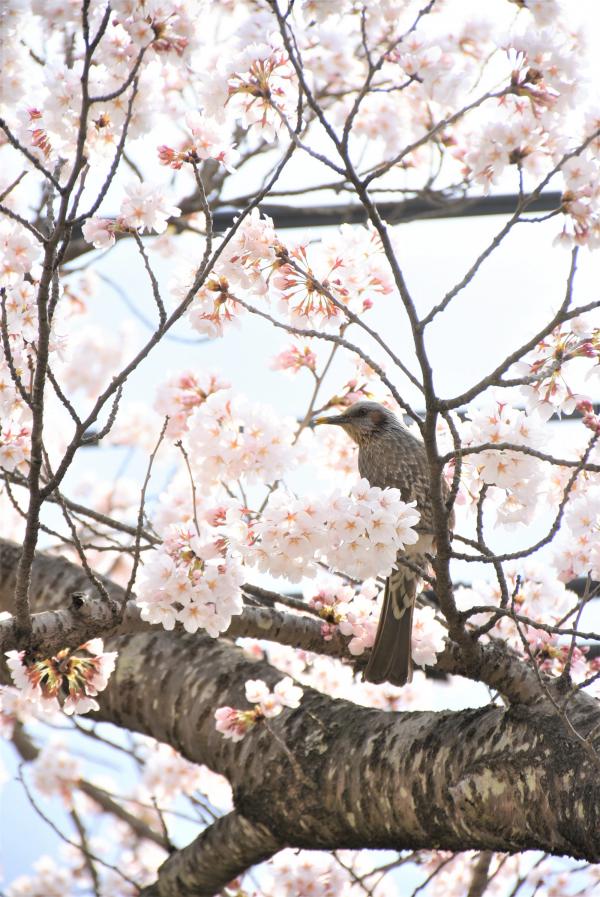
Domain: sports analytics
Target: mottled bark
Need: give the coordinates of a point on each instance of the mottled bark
(335, 775)
(484, 779)
(219, 854)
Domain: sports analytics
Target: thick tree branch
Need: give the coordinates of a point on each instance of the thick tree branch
(410, 780)
(221, 852)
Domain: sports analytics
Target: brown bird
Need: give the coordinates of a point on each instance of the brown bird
(388, 455)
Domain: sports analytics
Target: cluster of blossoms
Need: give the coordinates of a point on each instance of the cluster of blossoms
(192, 579)
(209, 140)
(303, 296)
(92, 357)
(569, 351)
(55, 772)
(294, 358)
(262, 89)
(308, 872)
(243, 268)
(356, 615)
(70, 679)
(527, 129)
(234, 724)
(167, 26)
(359, 534)
(554, 659)
(353, 612)
(48, 878)
(144, 208)
(534, 592)
(229, 437)
(214, 308)
(181, 393)
(45, 116)
(137, 867)
(15, 444)
(581, 197)
(576, 549)
(309, 286)
(19, 254)
(167, 774)
(514, 479)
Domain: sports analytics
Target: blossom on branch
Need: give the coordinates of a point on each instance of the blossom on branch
(568, 349)
(359, 534)
(210, 140)
(262, 91)
(294, 358)
(146, 208)
(181, 394)
(234, 724)
(193, 579)
(18, 254)
(229, 437)
(70, 679)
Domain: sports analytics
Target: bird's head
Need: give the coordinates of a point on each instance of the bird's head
(362, 421)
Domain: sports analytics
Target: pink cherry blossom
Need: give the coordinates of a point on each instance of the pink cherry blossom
(177, 397)
(100, 232)
(234, 724)
(80, 674)
(146, 208)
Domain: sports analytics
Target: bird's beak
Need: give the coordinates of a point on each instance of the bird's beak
(334, 419)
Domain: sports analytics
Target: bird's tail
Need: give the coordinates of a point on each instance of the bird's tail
(391, 654)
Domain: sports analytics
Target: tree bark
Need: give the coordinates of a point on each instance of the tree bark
(332, 775)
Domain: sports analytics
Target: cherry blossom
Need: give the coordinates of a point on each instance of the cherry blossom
(309, 872)
(18, 253)
(49, 878)
(78, 674)
(261, 89)
(56, 772)
(167, 774)
(576, 550)
(210, 140)
(146, 208)
(359, 534)
(234, 724)
(229, 436)
(15, 444)
(193, 579)
(534, 592)
(554, 362)
(428, 636)
(100, 232)
(295, 358)
(518, 480)
(177, 397)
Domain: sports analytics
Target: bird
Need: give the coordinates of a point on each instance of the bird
(390, 456)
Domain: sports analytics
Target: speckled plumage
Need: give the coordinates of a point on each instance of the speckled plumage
(390, 456)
